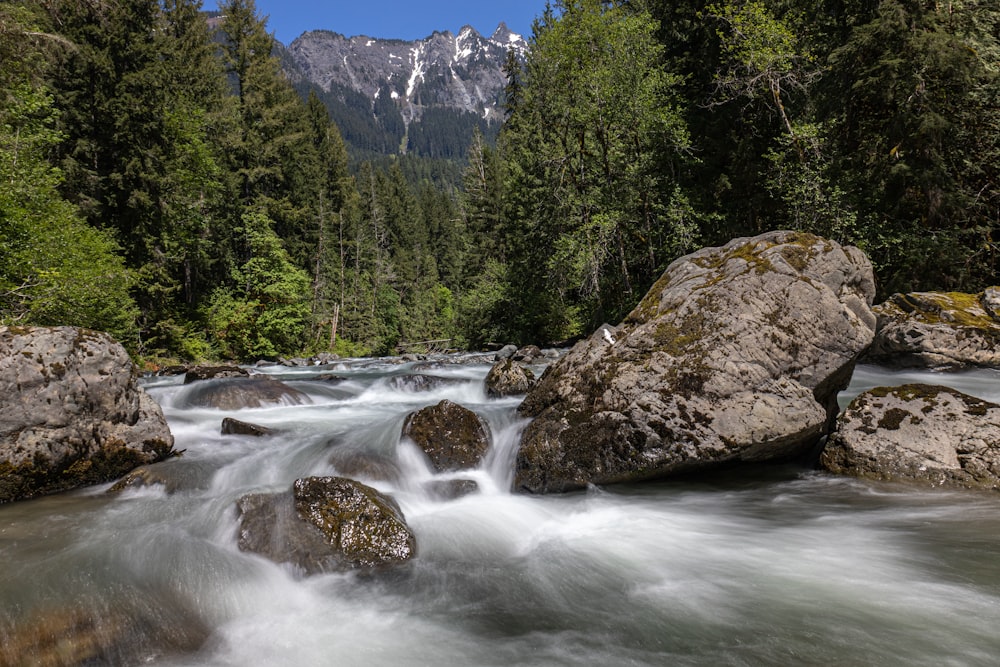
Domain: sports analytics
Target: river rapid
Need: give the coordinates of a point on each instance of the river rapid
(776, 566)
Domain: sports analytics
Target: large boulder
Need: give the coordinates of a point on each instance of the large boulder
(945, 330)
(71, 412)
(735, 355)
(924, 433)
(326, 524)
(453, 437)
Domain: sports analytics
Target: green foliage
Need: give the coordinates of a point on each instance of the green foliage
(266, 312)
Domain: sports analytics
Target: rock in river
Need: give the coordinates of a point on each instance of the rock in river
(946, 330)
(508, 378)
(326, 524)
(736, 354)
(71, 412)
(924, 433)
(453, 437)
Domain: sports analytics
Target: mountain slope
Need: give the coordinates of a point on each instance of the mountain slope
(396, 96)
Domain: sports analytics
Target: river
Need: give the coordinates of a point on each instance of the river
(777, 566)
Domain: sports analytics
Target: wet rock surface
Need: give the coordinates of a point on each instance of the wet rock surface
(735, 355)
(241, 393)
(944, 330)
(453, 437)
(232, 426)
(326, 524)
(508, 378)
(71, 412)
(199, 373)
(917, 432)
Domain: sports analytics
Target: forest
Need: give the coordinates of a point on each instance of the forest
(162, 180)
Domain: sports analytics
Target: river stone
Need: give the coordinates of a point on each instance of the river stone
(241, 393)
(326, 524)
(453, 437)
(71, 412)
(419, 383)
(944, 330)
(736, 354)
(359, 464)
(508, 378)
(232, 426)
(917, 432)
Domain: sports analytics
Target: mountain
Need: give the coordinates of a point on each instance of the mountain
(394, 96)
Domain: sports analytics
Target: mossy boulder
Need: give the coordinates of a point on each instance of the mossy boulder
(922, 433)
(736, 354)
(453, 437)
(944, 330)
(326, 524)
(71, 412)
(509, 378)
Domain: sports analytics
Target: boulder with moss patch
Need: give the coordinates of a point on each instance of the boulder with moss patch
(326, 524)
(508, 378)
(71, 412)
(735, 355)
(945, 330)
(923, 433)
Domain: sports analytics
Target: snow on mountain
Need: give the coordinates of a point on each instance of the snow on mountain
(461, 72)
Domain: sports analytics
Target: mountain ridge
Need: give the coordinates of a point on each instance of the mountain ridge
(443, 78)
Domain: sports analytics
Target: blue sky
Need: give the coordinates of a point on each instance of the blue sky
(397, 19)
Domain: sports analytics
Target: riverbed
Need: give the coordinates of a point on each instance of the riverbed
(781, 565)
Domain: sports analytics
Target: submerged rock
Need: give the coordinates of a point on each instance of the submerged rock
(326, 524)
(358, 464)
(171, 478)
(71, 412)
(925, 433)
(452, 489)
(735, 355)
(945, 330)
(418, 383)
(508, 378)
(241, 393)
(453, 437)
(123, 630)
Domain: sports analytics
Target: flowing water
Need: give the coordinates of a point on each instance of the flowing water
(780, 566)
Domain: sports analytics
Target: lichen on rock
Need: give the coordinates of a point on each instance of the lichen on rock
(735, 354)
(71, 412)
(921, 433)
(943, 330)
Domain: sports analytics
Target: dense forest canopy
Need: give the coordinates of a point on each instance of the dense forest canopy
(163, 180)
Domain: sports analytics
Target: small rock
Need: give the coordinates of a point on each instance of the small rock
(508, 378)
(527, 354)
(232, 426)
(356, 464)
(453, 437)
(506, 352)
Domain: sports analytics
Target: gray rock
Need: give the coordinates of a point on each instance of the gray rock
(921, 433)
(453, 437)
(232, 426)
(506, 352)
(507, 378)
(241, 393)
(361, 465)
(420, 383)
(943, 330)
(71, 412)
(172, 478)
(326, 524)
(735, 355)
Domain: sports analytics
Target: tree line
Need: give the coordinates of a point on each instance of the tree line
(161, 179)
